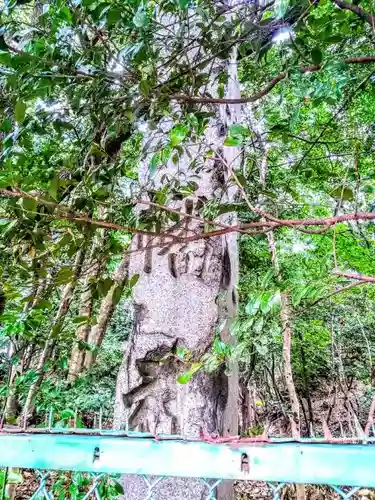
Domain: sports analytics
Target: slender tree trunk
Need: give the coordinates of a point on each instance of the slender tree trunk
(82, 334)
(12, 406)
(96, 333)
(286, 324)
(306, 394)
(65, 302)
(76, 362)
(287, 358)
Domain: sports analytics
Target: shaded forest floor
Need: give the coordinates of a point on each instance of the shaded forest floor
(260, 491)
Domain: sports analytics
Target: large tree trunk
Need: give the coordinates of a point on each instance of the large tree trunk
(177, 304)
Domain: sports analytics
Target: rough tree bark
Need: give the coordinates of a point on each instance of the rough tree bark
(65, 302)
(177, 303)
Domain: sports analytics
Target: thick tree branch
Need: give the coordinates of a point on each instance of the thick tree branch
(355, 276)
(266, 224)
(75, 73)
(66, 213)
(186, 215)
(270, 85)
(365, 16)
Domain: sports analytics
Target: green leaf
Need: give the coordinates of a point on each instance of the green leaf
(64, 276)
(20, 111)
(265, 302)
(316, 55)
(252, 306)
(180, 352)
(118, 487)
(237, 130)
(66, 414)
(183, 4)
(117, 295)
(342, 193)
(133, 280)
(28, 204)
(232, 141)
(66, 15)
(3, 44)
(113, 16)
(140, 18)
(144, 86)
(6, 126)
(43, 304)
(64, 363)
(241, 178)
(184, 378)
(334, 39)
(56, 329)
(81, 320)
(280, 8)
(267, 15)
(104, 286)
(154, 163)
(178, 134)
(275, 302)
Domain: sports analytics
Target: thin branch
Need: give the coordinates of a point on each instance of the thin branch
(324, 221)
(339, 290)
(270, 85)
(365, 16)
(75, 72)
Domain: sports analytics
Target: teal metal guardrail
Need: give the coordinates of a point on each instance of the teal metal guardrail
(276, 462)
(272, 461)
